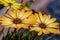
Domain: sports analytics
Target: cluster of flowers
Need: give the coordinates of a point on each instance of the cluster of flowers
(24, 18)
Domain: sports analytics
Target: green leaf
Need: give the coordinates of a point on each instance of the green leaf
(32, 35)
(28, 4)
(42, 37)
(18, 35)
(8, 36)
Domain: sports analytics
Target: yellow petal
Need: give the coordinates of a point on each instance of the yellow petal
(4, 18)
(25, 8)
(37, 29)
(6, 26)
(16, 6)
(6, 22)
(41, 17)
(12, 14)
(5, 4)
(48, 18)
(54, 25)
(45, 31)
(38, 20)
(44, 17)
(20, 13)
(30, 20)
(8, 7)
(10, 26)
(9, 1)
(1, 2)
(8, 16)
(25, 26)
(54, 31)
(27, 14)
(13, 26)
(50, 21)
(40, 33)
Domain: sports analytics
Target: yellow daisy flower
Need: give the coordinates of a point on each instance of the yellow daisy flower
(45, 24)
(10, 4)
(18, 19)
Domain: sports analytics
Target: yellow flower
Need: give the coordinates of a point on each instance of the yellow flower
(10, 4)
(18, 19)
(1, 2)
(45, 24)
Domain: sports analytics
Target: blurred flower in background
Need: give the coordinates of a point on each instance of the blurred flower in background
(10, 4)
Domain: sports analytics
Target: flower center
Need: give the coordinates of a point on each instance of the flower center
(17, 21)
(9, 4)
(42, 25)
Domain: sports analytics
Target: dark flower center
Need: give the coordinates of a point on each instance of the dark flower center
(17, 21)
(10, 4)
(42, 25)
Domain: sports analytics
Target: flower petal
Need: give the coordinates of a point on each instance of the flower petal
(4, 18)
(48, 18)
(12, 14)
(38, 20)
(39, 33)
(44, 17)
(50, 21)
(45, 31)
(54, 25)
(6, 21)
(9, 1)
(20, 13)
(27, 14)
(55, 31)
(16, 6)
(37, 29)
(30, 20)
(1, 2)
(8, 16)
(25, 26)
(13, 26)
(41, 17)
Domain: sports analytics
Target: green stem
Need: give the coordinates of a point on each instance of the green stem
(42, 37)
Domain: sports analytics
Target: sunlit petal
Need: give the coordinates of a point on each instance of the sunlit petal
(12, 14)
(55, 31)
(35, 29)
(54, 25)
(45, 31)
(50, 21)
(40, 33)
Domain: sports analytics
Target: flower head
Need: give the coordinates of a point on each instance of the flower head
(45, 24)
(18, 19)
(10, 4)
